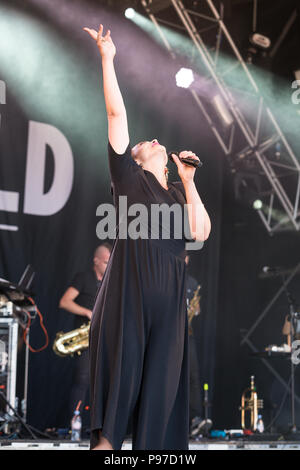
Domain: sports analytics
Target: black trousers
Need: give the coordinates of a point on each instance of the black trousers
(195, 384)
(80, 385)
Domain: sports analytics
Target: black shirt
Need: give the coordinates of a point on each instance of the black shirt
(87, 284)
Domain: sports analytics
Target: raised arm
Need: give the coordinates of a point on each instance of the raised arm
(115, 108)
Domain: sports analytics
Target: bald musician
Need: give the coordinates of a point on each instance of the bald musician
(79, 299)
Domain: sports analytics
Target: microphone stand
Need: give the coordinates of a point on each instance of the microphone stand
(293, 432)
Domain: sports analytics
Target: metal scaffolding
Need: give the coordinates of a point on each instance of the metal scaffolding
(253, 140)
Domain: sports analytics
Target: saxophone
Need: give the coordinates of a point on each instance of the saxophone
(193, 308)
(75, 341)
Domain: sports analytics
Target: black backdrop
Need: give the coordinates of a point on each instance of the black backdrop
(53, 76)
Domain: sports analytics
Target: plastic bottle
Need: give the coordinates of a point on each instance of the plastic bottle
(76, 425)
(260, 424)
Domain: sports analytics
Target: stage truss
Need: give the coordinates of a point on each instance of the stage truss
(258, 150)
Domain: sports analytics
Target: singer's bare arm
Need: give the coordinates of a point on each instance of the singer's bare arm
(116, 113)
(199, 221)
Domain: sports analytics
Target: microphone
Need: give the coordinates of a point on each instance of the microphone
(186, 160)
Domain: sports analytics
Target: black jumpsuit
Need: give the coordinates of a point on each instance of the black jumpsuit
(139, 332)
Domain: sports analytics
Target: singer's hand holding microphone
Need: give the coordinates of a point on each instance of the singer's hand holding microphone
(186, 162)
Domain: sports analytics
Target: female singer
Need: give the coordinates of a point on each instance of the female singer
(139, 331)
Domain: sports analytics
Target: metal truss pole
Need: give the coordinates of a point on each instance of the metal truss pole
(258, 146)
(295, 271)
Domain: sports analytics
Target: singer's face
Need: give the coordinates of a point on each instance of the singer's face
(146, 150)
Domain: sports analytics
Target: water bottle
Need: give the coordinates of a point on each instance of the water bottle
(260, 424)
(76, 426)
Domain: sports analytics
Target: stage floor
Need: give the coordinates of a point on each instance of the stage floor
(193, 445)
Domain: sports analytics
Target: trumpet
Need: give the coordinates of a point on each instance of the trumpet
(252, 404)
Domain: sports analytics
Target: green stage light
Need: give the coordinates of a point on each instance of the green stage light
(51, 80)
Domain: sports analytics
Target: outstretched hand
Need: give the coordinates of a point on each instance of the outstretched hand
(186, 172)
(105, 44)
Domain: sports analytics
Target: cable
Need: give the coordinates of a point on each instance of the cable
(29, 323)
(41, 433)
(21, 420)
(28, 326)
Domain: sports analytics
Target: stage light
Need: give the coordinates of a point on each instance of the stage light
(257, 204)
(184, 78)
(259, 44)
(2, 95)
(222, 110)
(129, 13)
(2, 92)
(260, 41)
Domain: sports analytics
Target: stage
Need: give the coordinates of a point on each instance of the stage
(193, 445)
(195, 325)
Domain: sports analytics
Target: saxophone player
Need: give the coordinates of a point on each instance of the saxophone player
(79, 299)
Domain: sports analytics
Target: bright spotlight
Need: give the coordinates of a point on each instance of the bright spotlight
(257, 205)
(184, 78)
(129, 13)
